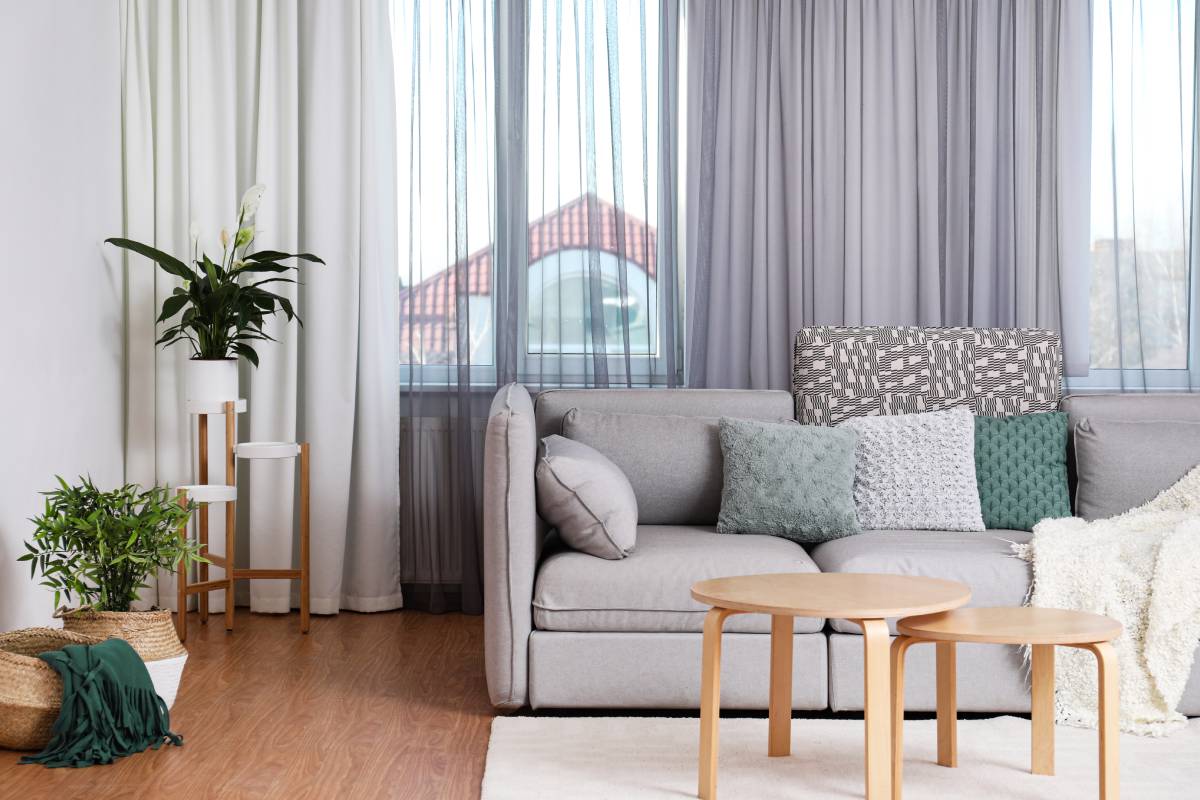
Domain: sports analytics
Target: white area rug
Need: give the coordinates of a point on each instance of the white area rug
(646, 757)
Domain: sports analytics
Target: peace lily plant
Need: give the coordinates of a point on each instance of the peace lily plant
(221, 306)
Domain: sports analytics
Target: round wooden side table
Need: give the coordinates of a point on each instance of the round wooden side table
(1043, 628)
(864, 599)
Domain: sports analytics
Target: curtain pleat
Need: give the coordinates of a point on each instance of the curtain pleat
(537, 240)
(879, 162)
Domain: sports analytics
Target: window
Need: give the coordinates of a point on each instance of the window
(589, 287)
(1142, 163)
(561, 313)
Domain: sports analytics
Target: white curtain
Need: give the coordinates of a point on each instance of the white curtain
(298, 96)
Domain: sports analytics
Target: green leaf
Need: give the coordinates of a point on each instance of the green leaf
(211, 269)
(246, 351)
(169, 263)
(271, 280)
(172, 305)
(266, 266)
(278, 255)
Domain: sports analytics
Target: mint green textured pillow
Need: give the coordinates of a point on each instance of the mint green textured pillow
(789, 480)
(1021, 469)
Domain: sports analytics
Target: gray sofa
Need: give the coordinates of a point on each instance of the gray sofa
(569, 630)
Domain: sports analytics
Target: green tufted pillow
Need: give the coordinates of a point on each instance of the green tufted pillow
(1021, 469)
(789, 480)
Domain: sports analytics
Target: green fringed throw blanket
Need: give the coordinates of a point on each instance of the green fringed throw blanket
(109, 709)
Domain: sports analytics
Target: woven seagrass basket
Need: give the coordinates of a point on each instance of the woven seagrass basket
(30, 690)
(150, 633)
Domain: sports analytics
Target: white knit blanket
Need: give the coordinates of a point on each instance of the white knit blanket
(1143, 569)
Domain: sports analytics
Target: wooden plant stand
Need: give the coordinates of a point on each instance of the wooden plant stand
(204, 493)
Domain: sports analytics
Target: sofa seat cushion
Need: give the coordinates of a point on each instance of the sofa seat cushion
(650, 591)
(983, 561)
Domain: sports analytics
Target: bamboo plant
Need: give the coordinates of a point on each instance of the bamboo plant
(98, 547)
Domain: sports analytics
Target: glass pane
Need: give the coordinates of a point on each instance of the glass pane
(561, 312)
(593, 177)
(445, 123)
(1142, 125)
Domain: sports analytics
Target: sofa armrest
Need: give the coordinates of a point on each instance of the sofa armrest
(511, 543)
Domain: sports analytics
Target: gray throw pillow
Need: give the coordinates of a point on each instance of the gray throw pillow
(789, 480)
(587, 498)
(673, 462)
(1122, 464)
(917, 471)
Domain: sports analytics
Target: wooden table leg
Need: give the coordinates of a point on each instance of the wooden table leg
(710, 701)
(877, 711)
(947, 704)
(1110, 718)
(779, 736)
(899, 651)
(1042, 709)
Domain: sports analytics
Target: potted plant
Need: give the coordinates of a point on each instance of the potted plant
(222, 305)
(97, 548)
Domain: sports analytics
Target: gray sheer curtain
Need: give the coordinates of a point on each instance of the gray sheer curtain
(882, 162)
(1145, 295)
(537, 217)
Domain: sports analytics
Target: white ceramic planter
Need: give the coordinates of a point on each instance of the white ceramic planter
(212, 381)
(166, 674)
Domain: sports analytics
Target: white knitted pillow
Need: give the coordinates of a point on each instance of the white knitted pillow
(916, 471)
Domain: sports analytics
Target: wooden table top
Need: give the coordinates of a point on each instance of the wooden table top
(1012, 626)
(840, 595)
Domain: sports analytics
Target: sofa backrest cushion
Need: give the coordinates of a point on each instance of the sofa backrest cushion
(674, 463)
(842, 372)
(1122, 464)
(650, 449)
(1093, 471)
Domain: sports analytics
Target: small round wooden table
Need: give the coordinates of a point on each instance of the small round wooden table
(1043, 628)
(866, 600)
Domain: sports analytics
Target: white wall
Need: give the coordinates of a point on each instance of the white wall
(60, 291)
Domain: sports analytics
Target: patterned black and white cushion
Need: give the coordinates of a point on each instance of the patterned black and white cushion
(840, 372)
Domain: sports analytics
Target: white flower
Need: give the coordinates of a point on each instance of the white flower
(195, 231)
(224, 238)
(251, 199)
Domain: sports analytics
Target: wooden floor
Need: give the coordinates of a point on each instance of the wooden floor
(366, 706)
